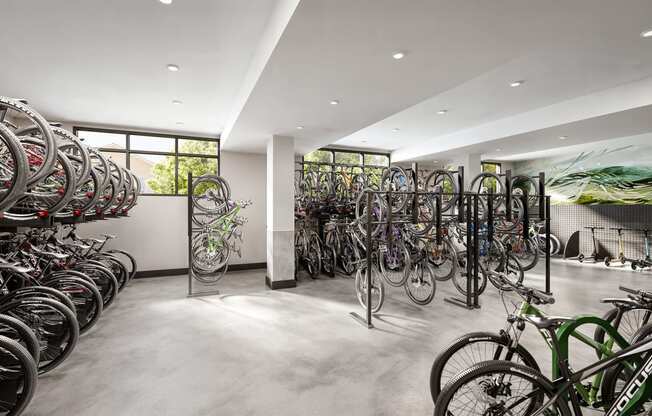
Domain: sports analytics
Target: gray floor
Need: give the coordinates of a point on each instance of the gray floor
(253, 351)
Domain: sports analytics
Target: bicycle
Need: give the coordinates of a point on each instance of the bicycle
(505, 345)
(505, 387)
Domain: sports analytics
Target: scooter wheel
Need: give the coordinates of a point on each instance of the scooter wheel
(607, 261)
(580, 258)
(634, 265)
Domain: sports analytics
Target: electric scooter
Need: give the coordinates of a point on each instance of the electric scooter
(595, 256)
(621, 249)
(647, 261)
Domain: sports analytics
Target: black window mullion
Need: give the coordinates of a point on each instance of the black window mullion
(127, 151)
(176, 166)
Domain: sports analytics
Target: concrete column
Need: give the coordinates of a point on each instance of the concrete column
(472, 168)
(280, 212)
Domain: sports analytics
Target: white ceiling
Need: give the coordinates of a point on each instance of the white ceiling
(104, 62)
(461, 56)
(253, 69)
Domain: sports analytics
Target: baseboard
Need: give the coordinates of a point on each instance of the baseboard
(280, 284)
(177, 272)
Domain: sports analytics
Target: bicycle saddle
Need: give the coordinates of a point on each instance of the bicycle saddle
(92, 240)
(16, 267)
(547, 322)
(49, 254)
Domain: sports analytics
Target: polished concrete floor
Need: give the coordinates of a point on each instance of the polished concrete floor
(253, 351)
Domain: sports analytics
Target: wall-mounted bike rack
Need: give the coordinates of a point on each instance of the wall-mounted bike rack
(192, 230)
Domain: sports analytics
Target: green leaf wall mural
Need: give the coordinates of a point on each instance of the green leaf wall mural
(617, 172)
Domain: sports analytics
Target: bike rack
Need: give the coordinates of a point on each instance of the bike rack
(191, 287)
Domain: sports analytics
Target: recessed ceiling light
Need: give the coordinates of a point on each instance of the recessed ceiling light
(435, 161)
(398, 55)
(299, 127)
(442, 111)
(177, 102)
(363, 141)
(499, 150)
(179, 123)
(173, 67)
(646, 34)
(563, 137)
(166, 1)
(516, 83)
(395, 130)
(335, 102)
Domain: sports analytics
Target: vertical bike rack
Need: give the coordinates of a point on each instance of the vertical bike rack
(192, 292)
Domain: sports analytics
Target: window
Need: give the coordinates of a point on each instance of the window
(491, 167)
(160, 161)
(376, 160)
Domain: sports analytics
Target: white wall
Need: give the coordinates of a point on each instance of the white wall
(156, 230)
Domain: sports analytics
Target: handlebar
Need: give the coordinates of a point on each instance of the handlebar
(531, 295)
(642, 293)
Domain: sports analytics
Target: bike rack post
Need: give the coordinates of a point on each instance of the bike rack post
(547, 219)
(508, 193)
(189, 187)
(490, 216)
(526, 216)
(466, 302)
(476, 251)
(438, 219)
(369, 217)
(415, 200)
(460, 187)
(390, 237)
(542, 195)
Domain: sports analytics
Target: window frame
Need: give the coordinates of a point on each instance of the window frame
(362, 154)
(176, 137)
(499, 167)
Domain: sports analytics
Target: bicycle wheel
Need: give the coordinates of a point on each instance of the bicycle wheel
(511, 270)
(631, 322)
(524, 250)
(377, 289)
(18, 377)
(211, 194)
(127, 259)
(328, 260)
(396, 180)
(377, 209)
(443, 259)
(618, 377)
(13, 168)
(105, 281)
(85, 296)
(348, 258)
(460, 279)
(116, 267)
(54, 325)
(500, 388)
(393, 263)
(420, 285)
(41, 164)
(471, 349)
(312, 258)
(441, 179)
(17, 330)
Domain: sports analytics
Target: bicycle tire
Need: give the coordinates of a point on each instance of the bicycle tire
(17, 182)
(20, 332)
(439, 371)
(28, 375)
(543, 385)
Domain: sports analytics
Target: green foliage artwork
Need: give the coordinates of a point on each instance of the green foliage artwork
(617, 172)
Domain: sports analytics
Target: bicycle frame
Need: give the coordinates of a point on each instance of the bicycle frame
(559, 341)
(637, 391)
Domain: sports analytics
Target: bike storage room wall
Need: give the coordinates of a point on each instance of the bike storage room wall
(291, 207)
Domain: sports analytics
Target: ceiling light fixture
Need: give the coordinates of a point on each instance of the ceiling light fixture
(179, 123)
(499, 150)
(395, 130)
(435, 161)
(363, 141)
(442, 111)
(516, 83)
(563, 137)
(299, 127)
(166, 2)
(398, 55)
(173, 67)
(335, 102)
(177, 102)
(646, 34)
